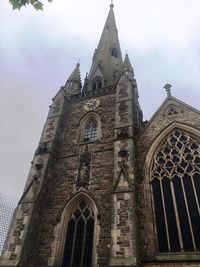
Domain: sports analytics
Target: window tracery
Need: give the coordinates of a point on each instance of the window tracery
(90, 133)
(79, 237)
(175, 180)
(172, 111)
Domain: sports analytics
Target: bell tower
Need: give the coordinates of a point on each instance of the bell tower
(78, 206)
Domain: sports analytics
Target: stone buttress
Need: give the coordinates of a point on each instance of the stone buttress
(127, 123)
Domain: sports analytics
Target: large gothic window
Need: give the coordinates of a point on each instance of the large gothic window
(90, 133)
(79, 238)
(175, 180)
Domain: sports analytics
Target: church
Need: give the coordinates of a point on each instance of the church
(106, 188)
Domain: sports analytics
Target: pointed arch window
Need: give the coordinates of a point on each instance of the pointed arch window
(79, 238)
(91, 128)
(175, 181)
(114, 52)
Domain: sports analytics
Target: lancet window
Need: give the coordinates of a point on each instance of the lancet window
(91, 130)
(79, 238)
(175, 181)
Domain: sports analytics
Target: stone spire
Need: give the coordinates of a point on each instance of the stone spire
(107, 60)
(73, 84)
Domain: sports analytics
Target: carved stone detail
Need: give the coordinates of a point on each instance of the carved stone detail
(42, 148)
(84, 169)
(56, 106)
(123, 133)
(123, 91)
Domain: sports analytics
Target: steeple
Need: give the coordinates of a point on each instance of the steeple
(73, 84)
(107, 60)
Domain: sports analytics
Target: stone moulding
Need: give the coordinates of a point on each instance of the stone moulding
(120, 262)
(177, 257)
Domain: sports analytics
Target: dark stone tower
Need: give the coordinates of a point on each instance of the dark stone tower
(105, 188)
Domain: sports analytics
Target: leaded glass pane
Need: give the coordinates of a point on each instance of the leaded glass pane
(91, 131)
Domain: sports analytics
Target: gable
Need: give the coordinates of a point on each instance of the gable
(184, 117)
(172, 103)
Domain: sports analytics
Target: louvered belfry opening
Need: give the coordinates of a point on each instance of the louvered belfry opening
(79, 237)
(175, 180)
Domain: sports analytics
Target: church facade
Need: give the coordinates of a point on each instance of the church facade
(106, 188)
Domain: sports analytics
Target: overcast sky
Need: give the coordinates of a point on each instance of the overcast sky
(38, 51)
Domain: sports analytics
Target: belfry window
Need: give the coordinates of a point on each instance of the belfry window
(114, 52)
(97, 83)
(79, 238)
(90, 131)
(175, 180)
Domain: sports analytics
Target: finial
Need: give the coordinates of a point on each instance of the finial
(111, 4)
(168, 89)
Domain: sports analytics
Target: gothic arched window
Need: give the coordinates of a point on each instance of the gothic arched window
(114, 52)
(91, 130)
(175, 180)
(79, 237)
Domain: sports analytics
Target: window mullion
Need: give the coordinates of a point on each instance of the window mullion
(83, 246)
(177, 217)
(73, 245)
(195, 193)
(188, 214)
(165, 216)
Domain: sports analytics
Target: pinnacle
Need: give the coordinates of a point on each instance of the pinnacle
(73, 84)
(127, 64)
(75, 75)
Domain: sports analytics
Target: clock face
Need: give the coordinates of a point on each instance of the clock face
(92, 104)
